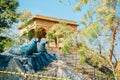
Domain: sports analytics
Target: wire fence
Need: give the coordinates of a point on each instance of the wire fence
(92, 73)
(71, 59)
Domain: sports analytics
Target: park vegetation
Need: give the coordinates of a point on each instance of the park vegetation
(99, 38)
(96, 43)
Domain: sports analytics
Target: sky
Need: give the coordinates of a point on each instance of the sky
(53, 8)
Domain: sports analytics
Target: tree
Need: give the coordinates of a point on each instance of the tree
(101, 21)
(8, 12)
(8, 16)
(5, 43)
(60, 30)
(100, 24)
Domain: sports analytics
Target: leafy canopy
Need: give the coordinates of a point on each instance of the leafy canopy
(8, 14)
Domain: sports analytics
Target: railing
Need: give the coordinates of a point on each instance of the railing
(7, 75)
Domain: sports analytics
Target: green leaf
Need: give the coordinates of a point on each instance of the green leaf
(66, 49)
(82, 51)
(78, 6)
(82, 59)
(60, 1)
(118, 0)
(85, 1)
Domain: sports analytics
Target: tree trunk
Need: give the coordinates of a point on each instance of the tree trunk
(114, 31)
(103, 69)
(56, 42)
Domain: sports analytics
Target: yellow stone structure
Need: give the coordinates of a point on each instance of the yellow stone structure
(43, 24)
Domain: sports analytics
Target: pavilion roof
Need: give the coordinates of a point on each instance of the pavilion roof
(57, 20)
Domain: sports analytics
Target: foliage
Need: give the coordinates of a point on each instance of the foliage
(104, 19)
(8, 38)
(60, 30)
(79, 4)
(30, 34)
(87, 55)
(25, 15)
(65, 49)
(5, 44)
(36, 31)
(8, 12)
(100, 22)
(67, 44)
(92, 29)
(26, 23)
(8, 16)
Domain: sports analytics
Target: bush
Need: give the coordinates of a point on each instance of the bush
(5, 44)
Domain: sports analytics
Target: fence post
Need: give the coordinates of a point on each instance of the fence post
(76, 57)
(94, 73)
(99, 78)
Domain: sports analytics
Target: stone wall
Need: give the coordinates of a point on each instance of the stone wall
(48, 24)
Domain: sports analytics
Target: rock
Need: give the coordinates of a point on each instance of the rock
(61, 70)
(15, 65)
(39, 63)
(30, 64)
(4, 61)
(34, 59)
